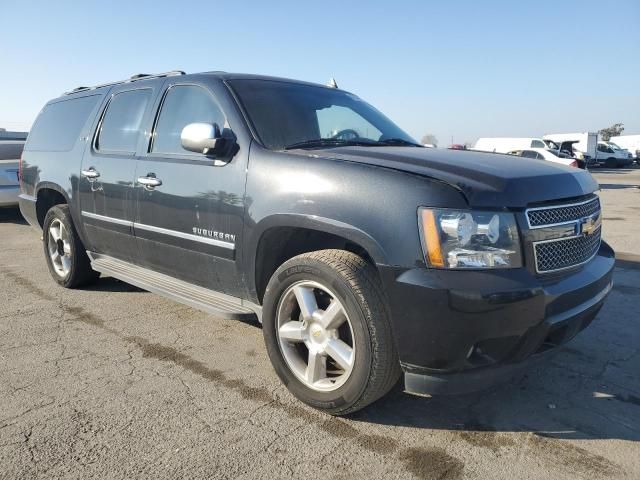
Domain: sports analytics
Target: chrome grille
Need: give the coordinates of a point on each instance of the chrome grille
(545, 216)
(553, 255)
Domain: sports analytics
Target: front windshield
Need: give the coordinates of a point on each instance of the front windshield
(294, 115)
(614, 146)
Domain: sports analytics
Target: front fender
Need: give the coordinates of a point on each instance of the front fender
(322, 224)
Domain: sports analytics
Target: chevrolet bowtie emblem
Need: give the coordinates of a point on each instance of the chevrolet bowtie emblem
(588, 225)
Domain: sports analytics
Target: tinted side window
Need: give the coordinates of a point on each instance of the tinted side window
(529, 154)
(183, 104)
(121, 123)
(59, 124)
(537, 144)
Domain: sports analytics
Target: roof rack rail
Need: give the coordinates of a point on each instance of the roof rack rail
(133, 78)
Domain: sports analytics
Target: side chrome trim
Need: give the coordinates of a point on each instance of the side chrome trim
(186, 236)
(552, 207)
(104, 218)
(535, 253)
(163, 231)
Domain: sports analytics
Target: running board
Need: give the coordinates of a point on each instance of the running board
(187, 293)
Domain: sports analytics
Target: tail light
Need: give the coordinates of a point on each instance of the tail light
(574, 164)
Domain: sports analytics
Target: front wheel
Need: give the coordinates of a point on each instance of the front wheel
(328, 333)
(66, 257)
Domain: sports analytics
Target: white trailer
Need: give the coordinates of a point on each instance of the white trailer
(629, 142)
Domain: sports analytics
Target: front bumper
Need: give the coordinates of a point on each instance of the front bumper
(462, 331)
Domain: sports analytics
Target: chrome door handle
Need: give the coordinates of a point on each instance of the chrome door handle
(149, 182)
(90, 174)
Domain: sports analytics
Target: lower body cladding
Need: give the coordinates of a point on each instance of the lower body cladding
(463, 331)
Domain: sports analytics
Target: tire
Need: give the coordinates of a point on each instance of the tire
(370, 370)
(611, 163)
(66, 257)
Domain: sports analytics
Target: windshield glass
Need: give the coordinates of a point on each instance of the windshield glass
(614, 146)
(286, 114)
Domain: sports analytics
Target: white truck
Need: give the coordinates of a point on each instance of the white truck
(629, 142)
(509, 144)
(587, 146)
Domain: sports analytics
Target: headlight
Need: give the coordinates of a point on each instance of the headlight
(469, 239)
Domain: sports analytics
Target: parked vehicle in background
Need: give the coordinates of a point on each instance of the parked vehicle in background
(457, 146)
(10, 151)
(549, 156)
(621, 151)
(629, 142)
(364, 254)
(507, 144)
(612, 156)
(12, 135)
(582, 145)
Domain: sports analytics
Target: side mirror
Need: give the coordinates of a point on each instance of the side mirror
(202, 138)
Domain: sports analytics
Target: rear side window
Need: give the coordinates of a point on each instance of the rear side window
(183, 104)
(537, 144)
(59, 124)
(120, 127)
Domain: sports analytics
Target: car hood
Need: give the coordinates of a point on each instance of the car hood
(485, 179)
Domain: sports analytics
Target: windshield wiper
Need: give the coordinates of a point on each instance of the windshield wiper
(399, 141)
(330, 142)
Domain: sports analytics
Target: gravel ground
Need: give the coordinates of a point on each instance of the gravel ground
(115, 382)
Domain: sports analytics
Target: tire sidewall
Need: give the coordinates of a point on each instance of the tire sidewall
(355, 385)
(62, 214)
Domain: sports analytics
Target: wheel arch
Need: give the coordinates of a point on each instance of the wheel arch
(281, 237)
(47, 195)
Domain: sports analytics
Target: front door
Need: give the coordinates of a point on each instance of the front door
(106, 185)
(190, 206)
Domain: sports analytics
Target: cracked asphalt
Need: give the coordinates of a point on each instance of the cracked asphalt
(114, 382)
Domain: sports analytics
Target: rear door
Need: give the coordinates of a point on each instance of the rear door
(106, 184)
(189, 224)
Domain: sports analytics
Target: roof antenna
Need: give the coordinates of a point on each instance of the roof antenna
(332, 83)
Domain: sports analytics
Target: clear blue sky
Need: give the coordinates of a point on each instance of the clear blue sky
(456, 68)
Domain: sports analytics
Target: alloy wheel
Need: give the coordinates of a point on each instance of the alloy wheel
(59, 248)
(315, 336)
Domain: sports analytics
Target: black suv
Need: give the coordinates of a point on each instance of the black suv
(363, 254)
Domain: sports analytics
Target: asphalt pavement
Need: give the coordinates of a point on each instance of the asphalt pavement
(115, 382)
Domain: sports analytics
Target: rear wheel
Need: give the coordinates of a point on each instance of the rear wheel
(66, 257)
(327, 331)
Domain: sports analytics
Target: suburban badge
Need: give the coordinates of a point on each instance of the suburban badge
(225, 237)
